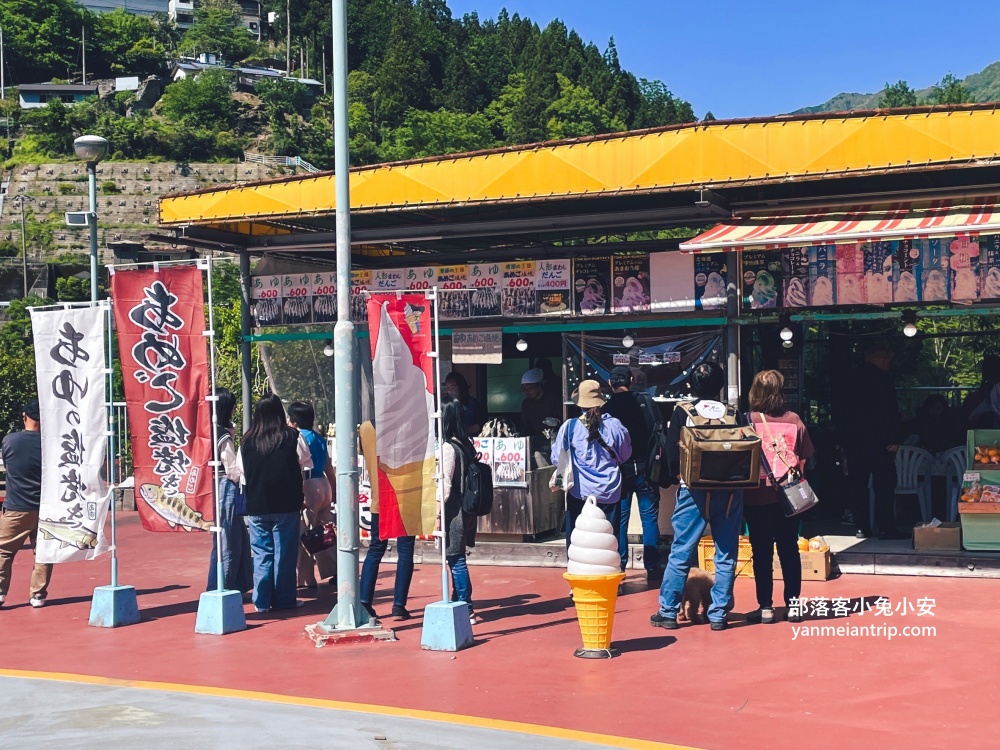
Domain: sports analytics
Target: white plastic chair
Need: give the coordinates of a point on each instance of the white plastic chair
(955, 463)
(913, 470)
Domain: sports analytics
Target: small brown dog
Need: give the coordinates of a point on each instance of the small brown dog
(697, 596)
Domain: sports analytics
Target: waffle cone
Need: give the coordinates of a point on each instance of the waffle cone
(594, 598)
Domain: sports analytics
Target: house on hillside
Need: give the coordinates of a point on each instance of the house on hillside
(181, 13)
(247, 77)
(34, 95)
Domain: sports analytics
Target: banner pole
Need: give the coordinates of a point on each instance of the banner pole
(115, 605)
(433, 297)
(219, 611)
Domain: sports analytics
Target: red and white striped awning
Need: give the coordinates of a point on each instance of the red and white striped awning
(857, 224)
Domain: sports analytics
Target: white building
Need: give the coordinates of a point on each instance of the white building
(181, 12)
(136, 7)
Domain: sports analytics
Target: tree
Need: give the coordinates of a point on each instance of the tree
(17, 361)
(577, 113)
(897, 94)
(434, 133)
(218, 29)
(42, 37)
(950, 90)
(72, 289)
(205, 100)
(128, 44)
(659, 107)
(48, 128)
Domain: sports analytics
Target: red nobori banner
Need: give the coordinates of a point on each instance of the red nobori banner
(160, 319)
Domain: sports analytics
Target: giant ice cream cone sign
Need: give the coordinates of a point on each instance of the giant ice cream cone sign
(593, 573)
(400, 334)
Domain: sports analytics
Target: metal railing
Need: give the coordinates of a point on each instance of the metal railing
(280, 161)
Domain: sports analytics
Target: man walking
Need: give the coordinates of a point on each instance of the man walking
(22, 457)
(636, 412)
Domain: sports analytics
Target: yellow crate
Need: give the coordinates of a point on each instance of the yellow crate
(744, 558)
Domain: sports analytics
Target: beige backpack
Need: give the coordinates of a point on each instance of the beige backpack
(718, 453)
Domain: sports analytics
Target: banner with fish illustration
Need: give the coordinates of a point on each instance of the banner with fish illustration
(160, 318)
(72, 396)
(403, 383)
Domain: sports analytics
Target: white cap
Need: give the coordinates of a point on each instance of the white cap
(532, 377)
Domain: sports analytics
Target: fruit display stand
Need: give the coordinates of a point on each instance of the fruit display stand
(979, 504)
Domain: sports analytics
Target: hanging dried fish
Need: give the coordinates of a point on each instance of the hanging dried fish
(325, 308)
(267, 312)
(297, 310)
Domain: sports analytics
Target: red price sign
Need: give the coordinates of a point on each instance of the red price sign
(484, 447)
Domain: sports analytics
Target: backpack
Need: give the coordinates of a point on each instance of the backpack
(656, 458)
(474, 482)
(718, 453)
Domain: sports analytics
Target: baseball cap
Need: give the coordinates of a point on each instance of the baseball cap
(32, 410)
(533, 376)
(619, 376)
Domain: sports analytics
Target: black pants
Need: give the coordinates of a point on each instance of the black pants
(769, 527)
(878, 466)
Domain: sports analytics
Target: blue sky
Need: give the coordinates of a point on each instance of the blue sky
(742, 59)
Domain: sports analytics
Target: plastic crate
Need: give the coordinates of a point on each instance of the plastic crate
(744, 557)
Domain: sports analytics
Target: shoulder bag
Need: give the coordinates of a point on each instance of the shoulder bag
(794, 492)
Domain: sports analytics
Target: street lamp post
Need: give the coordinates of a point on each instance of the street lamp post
(91, 149)
(24, 248)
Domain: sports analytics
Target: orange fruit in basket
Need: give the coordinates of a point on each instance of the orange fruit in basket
(803, 545)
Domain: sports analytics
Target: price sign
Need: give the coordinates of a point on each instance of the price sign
(519, 274)
(361, 280)
(510, 462)
(452, 277)
(484, 275)
(485, 280)
(296, 285)
(265, 287)
(420, 278)
(553, 274)
(323, 283)
(484, 447)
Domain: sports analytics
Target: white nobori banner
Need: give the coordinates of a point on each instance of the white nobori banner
(72, 393)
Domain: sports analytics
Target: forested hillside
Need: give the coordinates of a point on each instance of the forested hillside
(421, 82)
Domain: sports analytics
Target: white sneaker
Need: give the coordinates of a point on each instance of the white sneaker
(36, 602)
(2, 597)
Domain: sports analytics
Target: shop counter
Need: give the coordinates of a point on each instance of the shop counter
(524, 513)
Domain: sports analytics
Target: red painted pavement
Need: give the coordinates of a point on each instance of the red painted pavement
(748, 687)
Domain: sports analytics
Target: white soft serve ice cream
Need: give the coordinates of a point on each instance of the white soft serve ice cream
(593, 549)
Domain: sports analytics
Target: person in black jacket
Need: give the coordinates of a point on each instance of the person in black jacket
(272, 458)
(635, 411)
(872, 436)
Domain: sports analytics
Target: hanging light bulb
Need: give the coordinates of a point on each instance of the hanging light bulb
(909, 323)
(522, 345)
(787, 344)
(328, 349)
(786, 335)
(628, 341)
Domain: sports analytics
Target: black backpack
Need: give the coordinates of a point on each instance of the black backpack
(475, 481)
(657, 471)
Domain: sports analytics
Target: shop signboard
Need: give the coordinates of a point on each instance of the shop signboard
(989, 267)
(670, 282)
(710, 281)
(935, 280)
(361, 281)
(484, 449)
(592, 285)
(761, 279)
(878, 272)
(964, 256)
(851, 274)
(477, 347)
(388, 280)
(419, 278)
(552, 285)
(795, 277)
(519, 299)
(485, 280)
(324, 296)
(822, 275)
(265, 300)
(906, 273)
(453, 292)
(630, 283)
(296, 302)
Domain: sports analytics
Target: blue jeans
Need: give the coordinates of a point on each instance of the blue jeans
(648, 497)
(404, 567)
(237, 565)
(274, 539)
(460, 580)
(693, 506)
(574, 506)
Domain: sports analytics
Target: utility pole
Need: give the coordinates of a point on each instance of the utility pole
(24, 248)
(3, 88)
(83, 46)
(288, 37)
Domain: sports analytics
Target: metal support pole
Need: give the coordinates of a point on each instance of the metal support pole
(111, 451)
(347, 614)
(732, 330)
(92, 221)
(24, 248)
(246, 396)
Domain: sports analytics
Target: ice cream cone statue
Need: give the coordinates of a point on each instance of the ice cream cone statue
(593, 573)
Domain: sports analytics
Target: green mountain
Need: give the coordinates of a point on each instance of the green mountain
(984, 85)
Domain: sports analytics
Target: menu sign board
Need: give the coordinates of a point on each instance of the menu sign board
(453, 296)
(552, 286)
(630, 283)
(477, 347)
(484, 279)
(519, 299)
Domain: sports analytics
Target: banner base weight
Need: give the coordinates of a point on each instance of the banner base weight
(446, 627)
(113, 607)
(220, 612)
